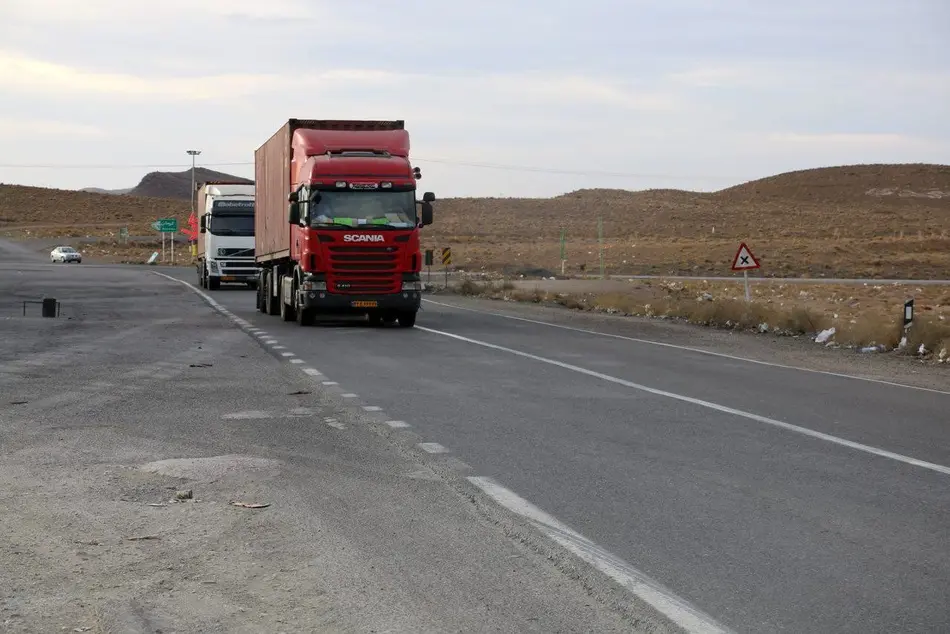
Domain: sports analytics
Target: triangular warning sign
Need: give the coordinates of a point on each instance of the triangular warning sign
(744, 259)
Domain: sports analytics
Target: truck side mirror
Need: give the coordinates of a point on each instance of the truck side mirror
(426, 213)
(293, 216)
(204, 224)
(428, 197)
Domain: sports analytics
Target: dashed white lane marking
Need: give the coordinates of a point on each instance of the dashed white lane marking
(296, 361)
(349, 395)
(664, 344)
(661, 598)
(287, 354)
(397, 424)
(432, 447)
(248, 415)
(695, 401)
(372, 408)
(312, 371)
(277, 346)
(329, 383)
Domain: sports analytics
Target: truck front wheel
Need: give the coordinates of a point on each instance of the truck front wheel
(407, 319)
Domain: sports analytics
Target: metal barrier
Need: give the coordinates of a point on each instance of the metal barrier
(50, 306)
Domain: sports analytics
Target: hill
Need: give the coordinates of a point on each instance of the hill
(176, 185)
(99, 190)
(860, 220)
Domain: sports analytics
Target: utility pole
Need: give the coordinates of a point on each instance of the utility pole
(193, 154)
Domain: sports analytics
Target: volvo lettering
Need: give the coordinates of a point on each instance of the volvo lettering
(337, 222)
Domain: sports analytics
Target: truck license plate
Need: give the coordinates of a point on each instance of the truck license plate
(227, 278)
(363, 304)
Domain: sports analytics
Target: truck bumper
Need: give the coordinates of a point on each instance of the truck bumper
(335, 303)
(235, 279)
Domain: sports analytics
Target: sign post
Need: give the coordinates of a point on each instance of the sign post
(429, 259)
(745, 261)
(446, 262)
(600, 243)
(563, 254)
(163, 226)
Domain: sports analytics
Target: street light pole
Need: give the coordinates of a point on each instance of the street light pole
(193, 154)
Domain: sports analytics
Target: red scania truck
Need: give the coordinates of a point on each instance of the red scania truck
(337, 222)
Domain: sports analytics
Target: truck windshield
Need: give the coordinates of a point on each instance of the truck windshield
(232, 225)
(361, 208)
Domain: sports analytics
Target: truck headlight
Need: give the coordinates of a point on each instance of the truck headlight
(213, 265)
(413, 285)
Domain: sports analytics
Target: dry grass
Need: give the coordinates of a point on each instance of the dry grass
(863, 317)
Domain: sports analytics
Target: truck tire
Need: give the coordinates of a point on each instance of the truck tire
(262, 284)
(407, 319)
(270, 303)
(287, 312)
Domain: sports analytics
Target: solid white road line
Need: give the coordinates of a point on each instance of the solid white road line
(695, 401)
(432, 447)
(664, 600)
(687, 348)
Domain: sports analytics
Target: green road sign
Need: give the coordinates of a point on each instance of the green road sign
(166, 225)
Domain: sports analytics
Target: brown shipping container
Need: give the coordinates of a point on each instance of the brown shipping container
(272, 177)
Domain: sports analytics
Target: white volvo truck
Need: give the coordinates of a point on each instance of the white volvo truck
(226, 234)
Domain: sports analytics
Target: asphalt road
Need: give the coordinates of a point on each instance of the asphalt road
(773, 499)
(140, 391)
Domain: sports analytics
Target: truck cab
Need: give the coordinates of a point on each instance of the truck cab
(343, 238)
(226, 235)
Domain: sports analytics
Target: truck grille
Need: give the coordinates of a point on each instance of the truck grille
(244, 253)
(364, 270)
(246, 267)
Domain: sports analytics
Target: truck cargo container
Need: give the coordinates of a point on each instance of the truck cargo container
(225, 245)
(337, 222)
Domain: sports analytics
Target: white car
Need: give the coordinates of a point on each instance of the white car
(64, 255)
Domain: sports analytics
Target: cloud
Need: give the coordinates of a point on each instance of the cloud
(850, 141)
(27, 128)
(31, 75)
(120, 11)
(28, 74)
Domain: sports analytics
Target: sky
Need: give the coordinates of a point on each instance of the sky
(501, 98)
